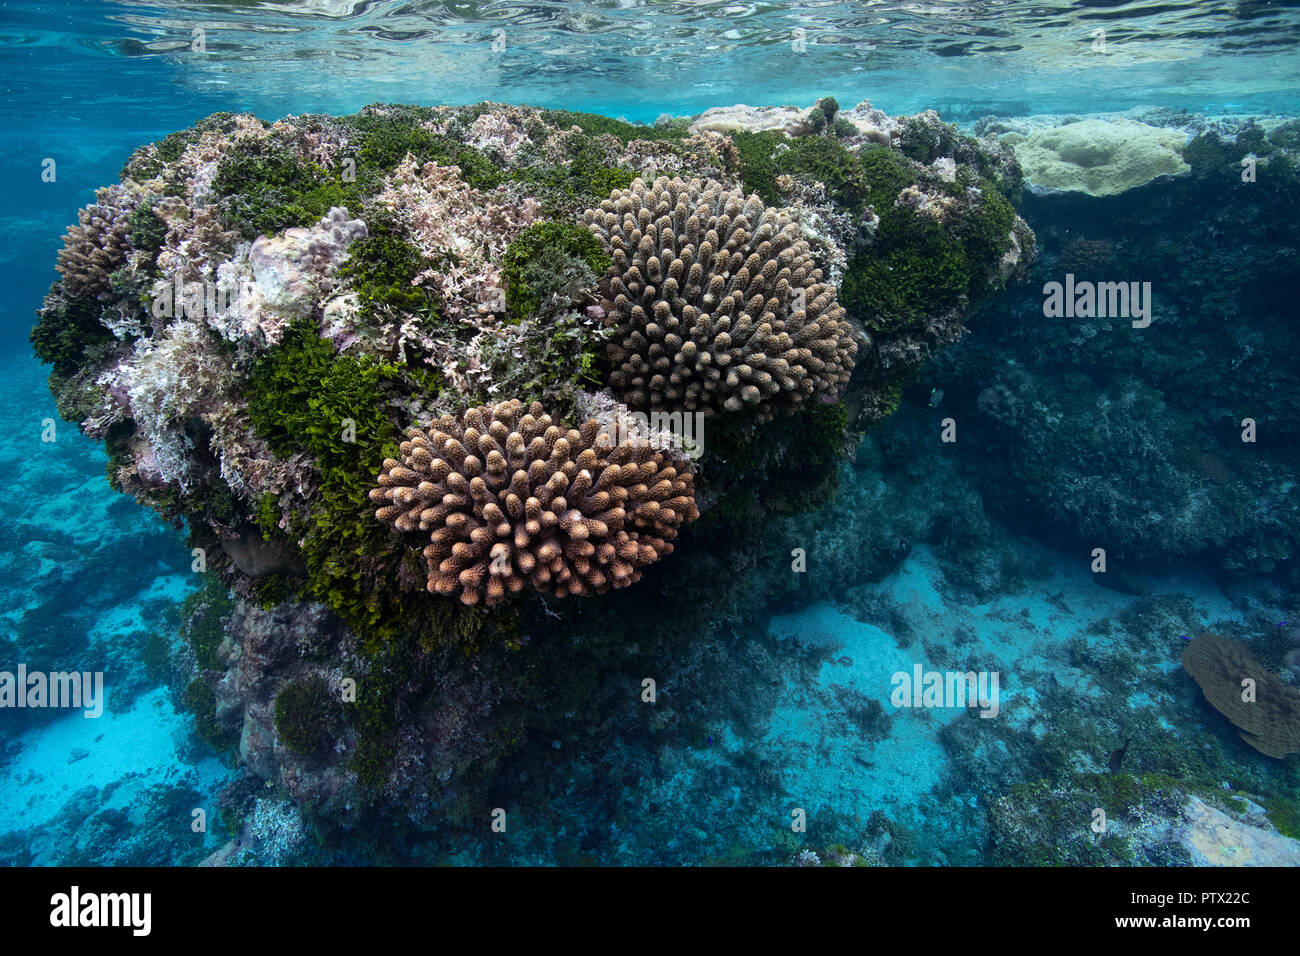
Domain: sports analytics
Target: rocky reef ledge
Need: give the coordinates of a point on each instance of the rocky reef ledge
(382, 367)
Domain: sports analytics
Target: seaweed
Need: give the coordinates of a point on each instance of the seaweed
(307, 716)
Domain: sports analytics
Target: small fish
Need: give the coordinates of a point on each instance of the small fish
(936, 396)
(1117, 756)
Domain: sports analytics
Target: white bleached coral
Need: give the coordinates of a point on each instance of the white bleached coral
(790, 120)
(876, 125)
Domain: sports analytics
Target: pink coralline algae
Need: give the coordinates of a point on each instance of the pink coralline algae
(278, 279)
(465, 228)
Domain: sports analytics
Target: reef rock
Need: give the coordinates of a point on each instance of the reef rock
(729, 119)
(257, 557)
(251, 332)
(1213, 838)
(876, 125)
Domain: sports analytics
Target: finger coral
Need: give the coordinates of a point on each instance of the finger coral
(1268, 720)
(511, 498)
(96, 246)
(717, 300)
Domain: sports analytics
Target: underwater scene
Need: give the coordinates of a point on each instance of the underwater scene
(637, 433)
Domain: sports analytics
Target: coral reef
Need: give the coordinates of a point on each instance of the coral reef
(914, 222)
(1099, 157)
(718, 302)
(253, 318)
(379, 717)
(512, 499)
(1265, 711)
(1132, 439)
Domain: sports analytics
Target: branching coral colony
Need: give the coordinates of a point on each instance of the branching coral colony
(512, 498)
(374, 360)
(717, 301)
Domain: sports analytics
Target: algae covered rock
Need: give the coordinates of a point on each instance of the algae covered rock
(1100, 157)
(1126, 820)
(255, 315)
(317, 344)
(1215, 838)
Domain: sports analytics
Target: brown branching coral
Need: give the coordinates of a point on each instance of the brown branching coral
(511, 498)
(1270, 722)
(95, 248)
(717, 301)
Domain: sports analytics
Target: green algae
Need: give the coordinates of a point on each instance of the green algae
(551, 244)
(307, 716)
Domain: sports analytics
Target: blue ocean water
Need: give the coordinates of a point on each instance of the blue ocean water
(793, 714)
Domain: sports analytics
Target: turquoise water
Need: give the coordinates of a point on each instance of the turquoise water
(792, 711)
(87, 82)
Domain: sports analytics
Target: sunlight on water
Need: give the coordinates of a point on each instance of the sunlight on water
(966, 59)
